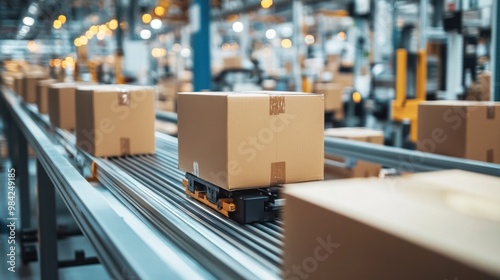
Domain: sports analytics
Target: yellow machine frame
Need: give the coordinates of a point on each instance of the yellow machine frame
(403, 108)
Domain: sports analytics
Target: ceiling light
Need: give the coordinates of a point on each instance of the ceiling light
(309, 39)
(237, 26)
(145, 34)
(286, 43)
(146, 18)
(156, 23)
(270, 34)
(29, 21)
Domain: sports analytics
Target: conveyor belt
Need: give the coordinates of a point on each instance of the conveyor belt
(152, 186)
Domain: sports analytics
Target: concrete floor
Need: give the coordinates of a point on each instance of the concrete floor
(66, 247)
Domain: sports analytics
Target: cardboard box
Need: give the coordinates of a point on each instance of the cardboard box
(333, 95)
(344, 79)
(249, 140)
(61, 104)
(29, 86)
(480, 91)
(232, 62)
(361, 168)
(18, 83)
(42, 95)
(167, 105)
(437, 225)
(115, 120)
(465, 129)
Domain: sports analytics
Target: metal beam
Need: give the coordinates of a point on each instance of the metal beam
(200, 41)
(495, 42)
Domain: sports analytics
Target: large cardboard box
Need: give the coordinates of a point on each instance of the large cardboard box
(466, 129)
(249, 140)
(29, 86)
(333, 95)
(361, 168)
(115, 120)
(438, 225)
(42, 95)
(480, 91)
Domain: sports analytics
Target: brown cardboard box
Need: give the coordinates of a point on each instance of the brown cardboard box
(466, 129)
(115, 120)
(42, 95)
(333, 95)
(167, 105)
(344, 79)
(362, 168)
(18, 83)
(480, 91)
(254, 139)
(29, 86)
(61, 104)
(232, 62)
(438, 225)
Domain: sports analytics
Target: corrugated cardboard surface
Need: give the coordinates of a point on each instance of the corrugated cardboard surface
(29, 86)
(42, 95)
(105, 126)
(61, 105)
(333, 95)
(362, 168)
(248, 140)
(439, 225)
(464, 129)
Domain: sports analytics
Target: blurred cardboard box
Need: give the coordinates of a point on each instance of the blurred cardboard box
(344, 79)
(465, 129)
(42, 95)
(361, 168)
(167, 105)
(115, 120)
(249, 140)
(29, 86)
(480, 91)
(232, 62)
(18, 83)
(167, 88)
(61, 104)
(436, 225)
(333, 95)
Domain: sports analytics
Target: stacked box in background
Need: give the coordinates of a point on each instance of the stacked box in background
(361, 168)
(30, 82)
(18, 83)
(465, 129)
(436, 225)
(42, 95)
(115, 120)
(480, 91)
(333, 96)
(249, 140)
(61, 104)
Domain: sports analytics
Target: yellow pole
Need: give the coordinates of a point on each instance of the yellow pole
(421, 87)
(401, 72)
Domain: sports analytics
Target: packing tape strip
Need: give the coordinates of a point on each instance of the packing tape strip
(278, 173)
(123, 97)
(276, 105)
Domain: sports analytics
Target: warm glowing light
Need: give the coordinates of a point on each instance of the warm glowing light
(100, 35)
(64, 64)
(57, 62)
(266, 3)
(62, 19)
(356, 97)
(103, 28)
(159, 11)
(94, 29)
(286, 43)
(51, 63)
(108, 32)
(158, 52)
(226, 47)
(113, 24)
(29, 21)
(238, 26)
(57, 24)
(84, 40)
(156, 23)
(235, 46)
(78, 42)
(176, 47)
(146, 18)
(342, 36)
(270, 34)
(69, 59)
(33, 46)
(145, 34)
(309, 39)
(89, 34)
